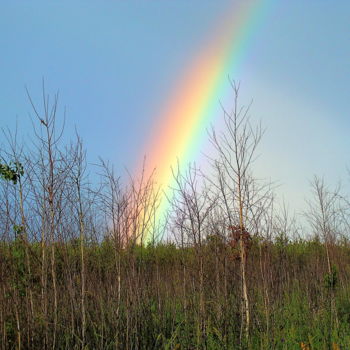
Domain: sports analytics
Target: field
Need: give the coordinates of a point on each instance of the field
(157, 297)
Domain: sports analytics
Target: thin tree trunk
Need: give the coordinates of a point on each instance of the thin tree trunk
(82, 262)
(19, 334)
(243, 263)
(29, 293)
(43, 278)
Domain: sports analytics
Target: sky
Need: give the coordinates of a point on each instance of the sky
(116, 64)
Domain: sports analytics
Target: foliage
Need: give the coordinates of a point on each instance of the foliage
(331, 279)
(11, 172)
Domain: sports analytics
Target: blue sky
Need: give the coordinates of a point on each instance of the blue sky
(116, 62)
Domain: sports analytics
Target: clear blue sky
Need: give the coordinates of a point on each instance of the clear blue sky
(114, 63)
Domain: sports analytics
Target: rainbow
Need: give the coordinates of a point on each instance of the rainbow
(191, 107)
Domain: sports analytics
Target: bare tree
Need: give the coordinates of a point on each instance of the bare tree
(325, 216)
(78, 195)
(243, 198)
(20, 225)
(191, 206)
(54, 174)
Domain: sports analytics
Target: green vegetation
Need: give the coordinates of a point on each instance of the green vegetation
(11, 172)
(159, 304)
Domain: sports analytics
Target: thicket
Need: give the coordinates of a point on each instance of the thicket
(84, 266)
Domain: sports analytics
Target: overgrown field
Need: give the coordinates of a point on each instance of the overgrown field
(87, 261)
(152, 297)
